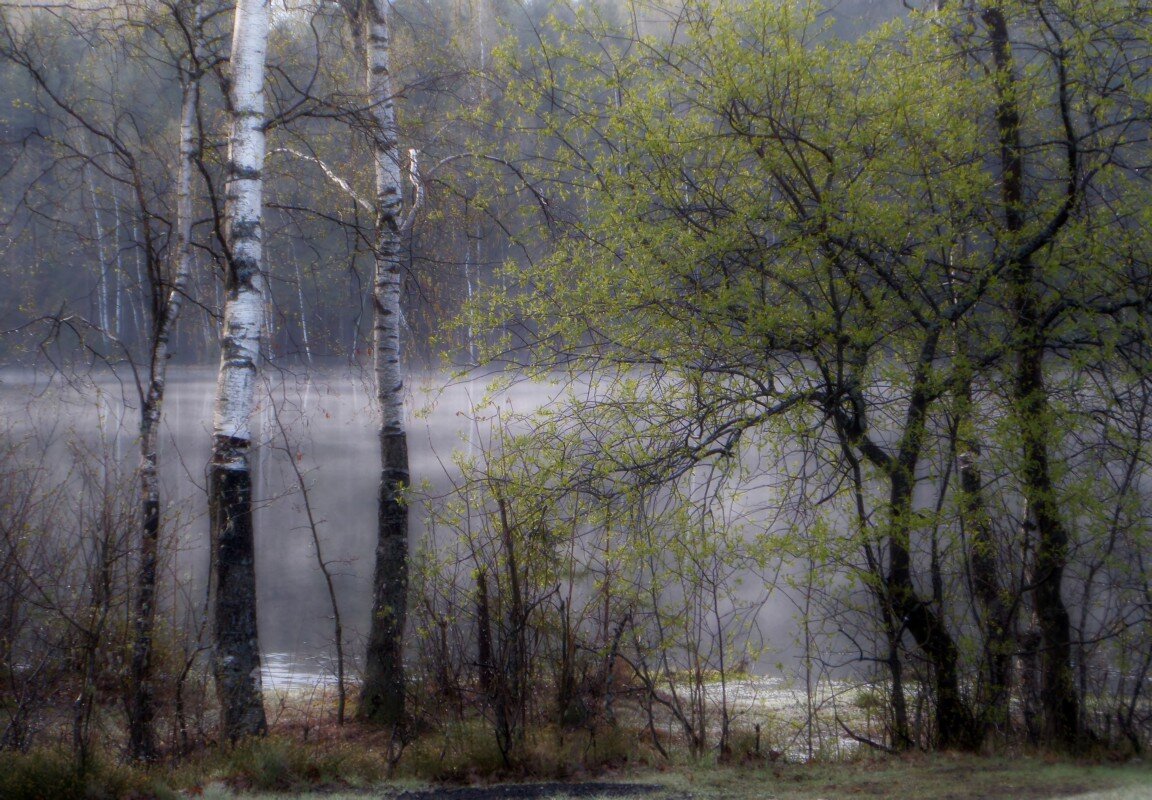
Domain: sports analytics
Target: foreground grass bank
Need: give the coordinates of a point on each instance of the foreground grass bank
(278, 768)
(939, 777)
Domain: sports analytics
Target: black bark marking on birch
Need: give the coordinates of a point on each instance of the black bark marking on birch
(237, 172)
(244, 229)
(142, 710)
(236, 662)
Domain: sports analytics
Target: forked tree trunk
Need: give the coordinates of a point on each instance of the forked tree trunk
(382, 695)
(166, 309)
(955, 725)
(1058, 694)
(236, 660)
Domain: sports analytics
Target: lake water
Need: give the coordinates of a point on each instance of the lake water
(331, 428)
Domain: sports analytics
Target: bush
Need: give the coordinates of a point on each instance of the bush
(277, 764)
(457, 751)
(51, 775)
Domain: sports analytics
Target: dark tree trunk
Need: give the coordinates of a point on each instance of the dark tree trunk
(901, 738)
(484, 636)
(955, 726)
(996, 611)
(237, 659)
(1058, 695)
(382, 695)
(142, 707)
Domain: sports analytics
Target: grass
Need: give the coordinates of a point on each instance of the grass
(920, 777)
(308, 756)
(53, 775)
(938, 777)
(279, 768)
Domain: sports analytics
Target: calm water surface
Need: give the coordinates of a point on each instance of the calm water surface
(330, 423)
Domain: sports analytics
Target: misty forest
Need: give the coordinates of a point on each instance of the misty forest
(519, 387)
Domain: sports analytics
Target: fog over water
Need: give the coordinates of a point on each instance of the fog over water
(331, 428)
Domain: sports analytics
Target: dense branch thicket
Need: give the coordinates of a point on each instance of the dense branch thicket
(915, 266)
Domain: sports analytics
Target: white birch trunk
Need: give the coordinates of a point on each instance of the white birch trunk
(102, 284)
(236, 660)
(142, 708)
(118, 263)
(303, 313)
(382, 696)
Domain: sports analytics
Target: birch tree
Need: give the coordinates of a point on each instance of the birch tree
(236, 660)
(168, 297)
(130, 164)
(382, 695)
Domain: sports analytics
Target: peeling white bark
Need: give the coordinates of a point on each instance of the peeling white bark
(389, 204)
(244, 295)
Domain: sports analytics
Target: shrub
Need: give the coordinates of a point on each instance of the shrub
(52, 775)
(278, 764)
(457, 751)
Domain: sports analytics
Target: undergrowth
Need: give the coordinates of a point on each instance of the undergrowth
(355, 758)
(54, 775)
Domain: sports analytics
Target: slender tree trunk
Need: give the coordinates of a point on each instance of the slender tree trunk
(236, 660)
(141, 736)
(1058, 694)
(484, 661)
(382, 695)
(102, 283)
(118, 265)
(995, 610)
(955, 726)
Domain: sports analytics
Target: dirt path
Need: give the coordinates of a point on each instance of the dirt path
(629, 791)
(544, 791)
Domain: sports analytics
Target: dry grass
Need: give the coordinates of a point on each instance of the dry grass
(465, 753)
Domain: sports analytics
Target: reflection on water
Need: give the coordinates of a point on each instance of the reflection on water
(294, 672)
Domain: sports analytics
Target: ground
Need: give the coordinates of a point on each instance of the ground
(936, 777)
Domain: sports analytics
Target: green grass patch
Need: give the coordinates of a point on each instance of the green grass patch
(278, 763)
